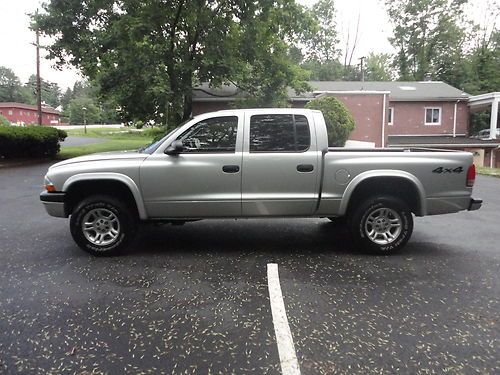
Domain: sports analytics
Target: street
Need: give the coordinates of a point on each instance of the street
(194, 299)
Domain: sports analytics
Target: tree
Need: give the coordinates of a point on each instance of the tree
(339, 122)
(51, 91)
(11, 89)
(149, 54)
(378, 67)
(427, 36)
(322, 44)
(66, 98)
(77, 113)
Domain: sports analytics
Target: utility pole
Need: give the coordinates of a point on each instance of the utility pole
(38, 80)
(362, 58)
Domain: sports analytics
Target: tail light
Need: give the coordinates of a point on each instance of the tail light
(471, 176)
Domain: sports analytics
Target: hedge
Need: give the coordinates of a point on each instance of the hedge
(30, 141)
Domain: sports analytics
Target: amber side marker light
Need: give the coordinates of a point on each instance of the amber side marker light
(50, 188)
(471, 176)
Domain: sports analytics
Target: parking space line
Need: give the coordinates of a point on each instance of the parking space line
(286, 349)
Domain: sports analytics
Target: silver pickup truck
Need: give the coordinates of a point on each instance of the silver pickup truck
(256, 163)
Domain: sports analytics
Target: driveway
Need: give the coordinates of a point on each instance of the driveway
(195, 299)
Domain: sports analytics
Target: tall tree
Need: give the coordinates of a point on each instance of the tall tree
(322, 45)
(11, 89)
(378, 67)
(51, 91)
(426, 32)
(149, 53)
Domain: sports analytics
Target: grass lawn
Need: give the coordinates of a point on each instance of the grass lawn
(489, 171)
(117, 140)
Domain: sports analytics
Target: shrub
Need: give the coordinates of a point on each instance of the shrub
(30, 141)
(4, 121)
(339, 122)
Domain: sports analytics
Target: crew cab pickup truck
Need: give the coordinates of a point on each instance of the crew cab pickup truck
(255, 163)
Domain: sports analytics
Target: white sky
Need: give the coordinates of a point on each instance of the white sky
(19, 54)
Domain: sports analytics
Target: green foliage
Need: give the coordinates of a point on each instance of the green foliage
(378, 67)
(4, 121)
(428, 34)
(31, 141)
(149, 53)
(51, 92)
(479, 121)
(322, 44)
(11, 89)
(324, 71)
(339, 122)
(83, 110)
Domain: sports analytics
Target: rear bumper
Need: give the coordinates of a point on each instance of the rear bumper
(54, 203)
(475, 204)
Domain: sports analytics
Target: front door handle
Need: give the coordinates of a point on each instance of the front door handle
(231, 168)
(305, 167)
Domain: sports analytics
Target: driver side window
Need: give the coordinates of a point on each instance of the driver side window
(217, 134)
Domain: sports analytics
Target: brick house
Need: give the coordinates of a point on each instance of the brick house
(25, 114)
(387, 114)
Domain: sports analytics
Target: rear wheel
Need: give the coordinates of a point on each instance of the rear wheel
(102, 225)
(381, 225)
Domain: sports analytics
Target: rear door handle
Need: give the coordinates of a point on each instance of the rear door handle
(305, 167)
(231, 168)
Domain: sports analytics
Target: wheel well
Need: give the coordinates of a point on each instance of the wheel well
(80, 190)
(392, 186)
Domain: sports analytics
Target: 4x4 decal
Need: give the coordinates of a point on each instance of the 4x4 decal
(448, 170)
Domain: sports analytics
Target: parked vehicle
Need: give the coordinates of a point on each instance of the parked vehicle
(485, 134)
(256, 163)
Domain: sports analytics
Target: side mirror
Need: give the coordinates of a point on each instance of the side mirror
(176, 147)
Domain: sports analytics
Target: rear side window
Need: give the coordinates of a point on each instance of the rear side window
(279, 133)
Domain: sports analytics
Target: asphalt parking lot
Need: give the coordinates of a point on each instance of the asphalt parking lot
(194, 299)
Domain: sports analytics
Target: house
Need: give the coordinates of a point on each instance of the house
(387, 114)
(25, 114)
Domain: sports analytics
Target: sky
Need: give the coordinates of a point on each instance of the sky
(18, 53)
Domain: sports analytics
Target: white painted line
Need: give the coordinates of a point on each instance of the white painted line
(286, 350)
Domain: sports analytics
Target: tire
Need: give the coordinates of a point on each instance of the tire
(381, 225)
(112, 225)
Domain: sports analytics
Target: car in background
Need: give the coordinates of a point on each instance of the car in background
(485, 134)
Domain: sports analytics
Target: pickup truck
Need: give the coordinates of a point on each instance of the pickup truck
(255, 163)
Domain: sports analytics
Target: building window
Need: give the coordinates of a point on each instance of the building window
(433, 116)
(10, 112)
(390, 116)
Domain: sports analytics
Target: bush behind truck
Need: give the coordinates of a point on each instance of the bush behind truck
(30, 141)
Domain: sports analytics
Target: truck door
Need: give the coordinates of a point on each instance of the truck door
(204, 179)
(280, 165)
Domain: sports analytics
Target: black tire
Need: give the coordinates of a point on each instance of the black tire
(385, 237)
(111, 215)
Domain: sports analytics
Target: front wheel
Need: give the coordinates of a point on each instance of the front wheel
(102, 225)
(381, 225)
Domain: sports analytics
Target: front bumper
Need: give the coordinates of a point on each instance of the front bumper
(53, 203)
(475, 204)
